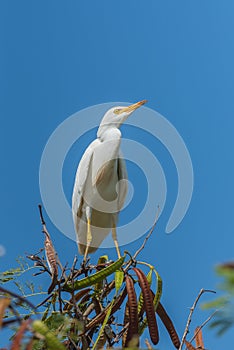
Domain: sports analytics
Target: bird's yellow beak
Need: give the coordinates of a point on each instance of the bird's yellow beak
(132, 108)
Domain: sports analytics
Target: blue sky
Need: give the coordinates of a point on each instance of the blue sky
(59, 57)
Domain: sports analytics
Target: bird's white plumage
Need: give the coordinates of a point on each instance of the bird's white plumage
(100, 186)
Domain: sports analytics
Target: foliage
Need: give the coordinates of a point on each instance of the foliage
(83, 305)
(224, 316)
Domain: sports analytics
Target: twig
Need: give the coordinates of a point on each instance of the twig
(41, 215)
(72, 342)
(15, 312)
(186, 331)
(119, 335)
(89, 310)
(148, 235)
(60, 299)
(202, 325)
(62, 268)
(7, 322)
(147, 343)
(44, 301)
(73, 266)
(133, 258)
(22, 299)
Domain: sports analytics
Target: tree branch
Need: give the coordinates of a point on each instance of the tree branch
(186, 331)
(148, 235)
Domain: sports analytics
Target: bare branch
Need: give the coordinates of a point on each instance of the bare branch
(41, 215)
(44, 301)
(186, 331)
(148, 235)
(203, 324)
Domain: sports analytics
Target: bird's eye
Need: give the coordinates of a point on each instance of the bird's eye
(117, 111)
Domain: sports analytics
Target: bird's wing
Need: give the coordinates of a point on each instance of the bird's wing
(122, 185)
(80, 179)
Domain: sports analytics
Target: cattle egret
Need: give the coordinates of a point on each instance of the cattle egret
(100, 186)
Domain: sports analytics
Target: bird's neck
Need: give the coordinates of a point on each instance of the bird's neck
(108, 133)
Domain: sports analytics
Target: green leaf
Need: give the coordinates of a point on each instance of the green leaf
(11, 272)
(214, 304)
(45, 314)
(20, 286)
(54, 321)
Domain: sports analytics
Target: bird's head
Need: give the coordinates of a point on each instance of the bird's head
(117, 115)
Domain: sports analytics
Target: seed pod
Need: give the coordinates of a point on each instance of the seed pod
(101, 261)
(156, 298)
(199, 339)
(189, 345)
(119, 277)
(119, 301)
(126, 321)
(95, 278)
(51, 260)
(169, 325)
(148, 304)
(132, 305)
(141, 300)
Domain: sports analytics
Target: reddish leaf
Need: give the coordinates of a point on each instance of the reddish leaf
(19, 335)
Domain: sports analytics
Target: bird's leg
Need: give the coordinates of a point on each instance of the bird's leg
(114, 236)
(89, 234)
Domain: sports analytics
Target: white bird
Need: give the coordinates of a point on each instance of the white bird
(100, 186)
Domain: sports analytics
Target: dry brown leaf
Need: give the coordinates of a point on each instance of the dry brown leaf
(4, 303)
